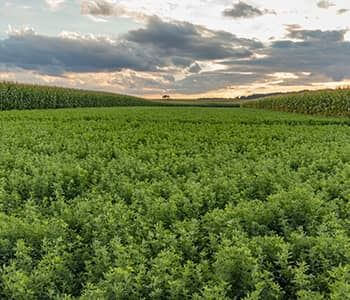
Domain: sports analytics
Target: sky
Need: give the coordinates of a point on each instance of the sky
(186, 49)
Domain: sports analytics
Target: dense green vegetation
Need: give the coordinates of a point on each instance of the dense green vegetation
(24, 96)
(15, 96)
(173, 203)
(326, 102)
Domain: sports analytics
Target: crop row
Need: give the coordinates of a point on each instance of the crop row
(325, 102)
(23, 96)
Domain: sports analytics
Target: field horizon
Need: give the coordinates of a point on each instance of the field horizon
(28, 96)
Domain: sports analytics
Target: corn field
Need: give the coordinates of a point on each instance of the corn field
(24, 96)
(326, 102)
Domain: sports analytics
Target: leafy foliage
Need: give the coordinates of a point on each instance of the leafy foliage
(326, 102)
(24, 96)
(173, 203)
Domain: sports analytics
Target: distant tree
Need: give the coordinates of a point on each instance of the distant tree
(166, 97)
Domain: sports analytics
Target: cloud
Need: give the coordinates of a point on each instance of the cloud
(159, 45)
(107, 8)
(317, 52)
(191, 42)
(167, 50)
(301, 79)
(100, 8)
(342, 11)
(210, 81)
(54, 4)
(325, 4)
(242, 10)
(316, 35)
(178, 57)
(133, 81)
(72, 52)
(17, 32)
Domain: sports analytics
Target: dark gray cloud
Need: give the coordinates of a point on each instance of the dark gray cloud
(56, 55)
(182, 39)
(242, 10)
(317, 52)
(158, 45)
(316, 35)
(325, 4)
(181, 61)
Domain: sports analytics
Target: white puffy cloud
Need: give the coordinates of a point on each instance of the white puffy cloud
(54, 4)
